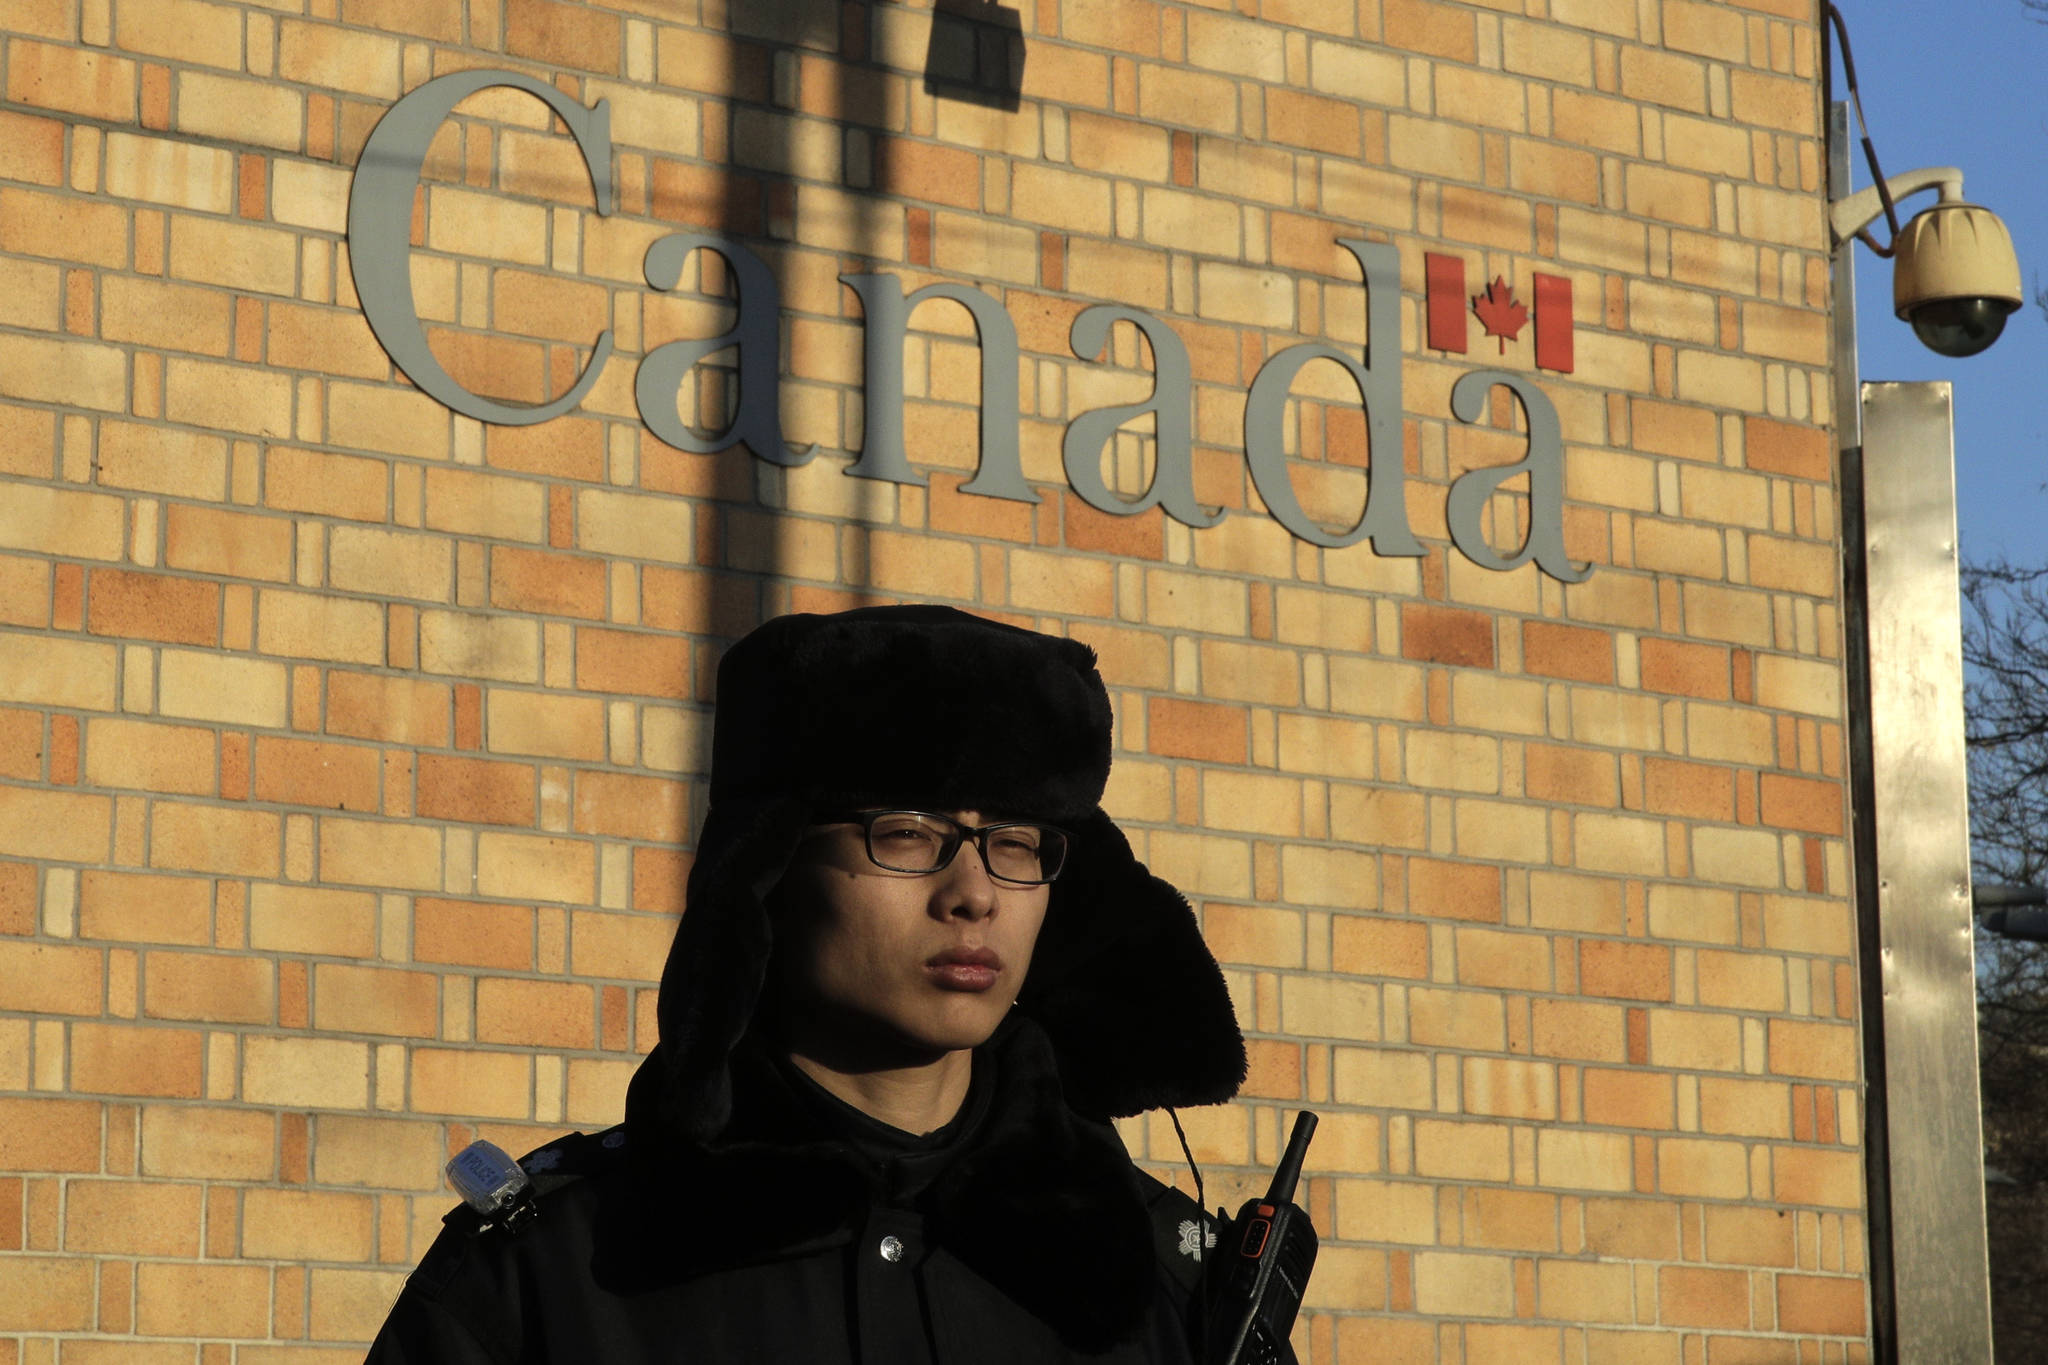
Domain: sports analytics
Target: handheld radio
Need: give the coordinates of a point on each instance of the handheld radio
(1257, 1282)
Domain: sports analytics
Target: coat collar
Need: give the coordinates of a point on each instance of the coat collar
(1039, 1201)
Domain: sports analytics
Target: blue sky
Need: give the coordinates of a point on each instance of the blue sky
(1960, 83)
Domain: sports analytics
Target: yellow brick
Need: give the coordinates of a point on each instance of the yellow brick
(529, 866)
(1472, 1020)
(545, 725)
(1390, 1079)
(227, 397)
(1499, 831)
(1386, 1211)
(329, 57)
(633, 526)
(75, 373)
(391, 563)
(1337, 877)
(471, 1082)
(184, 30)
(308, 1225)
(1448, 761)
(478, 646)
(179, 173)
(221, 687)
(1687, 1040)
(245, 111)
(380, 1153)
(316, 626)
(239, 255)
(52, 671)
(63, 826)
(307, 919)
(347, 1305)
(1461, 1151)
(380, 853)
(1248, 801)
(1585, 1291)
(1465, 1285)
(1573, 1160)
(1329, 1007)
(1510, 1089)
(199, 1299)
(388, 419)
(208, 1143)
(305, 1073)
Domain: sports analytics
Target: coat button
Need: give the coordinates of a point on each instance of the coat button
(892, 1249)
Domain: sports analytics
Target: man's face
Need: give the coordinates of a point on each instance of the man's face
(926, 963)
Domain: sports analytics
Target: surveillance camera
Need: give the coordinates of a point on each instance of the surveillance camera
(1955, 277)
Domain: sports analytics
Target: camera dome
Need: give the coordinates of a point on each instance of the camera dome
(1955, 277)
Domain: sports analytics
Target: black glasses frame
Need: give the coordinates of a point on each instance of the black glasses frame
(956, 834)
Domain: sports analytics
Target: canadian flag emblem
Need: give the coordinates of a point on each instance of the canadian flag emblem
(1450, 309)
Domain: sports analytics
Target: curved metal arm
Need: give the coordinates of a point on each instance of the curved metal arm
(1853, 213)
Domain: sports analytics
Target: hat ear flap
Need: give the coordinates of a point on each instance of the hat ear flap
(1123, 984)
(716, 968)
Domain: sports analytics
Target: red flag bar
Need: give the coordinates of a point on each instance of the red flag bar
(1444, 291)
(1553, 323)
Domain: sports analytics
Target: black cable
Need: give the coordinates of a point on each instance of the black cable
(1884, 193)
(1201, 1332)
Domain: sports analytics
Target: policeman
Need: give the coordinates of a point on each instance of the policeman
(918, 972)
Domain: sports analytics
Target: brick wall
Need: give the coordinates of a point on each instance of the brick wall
(350, 750)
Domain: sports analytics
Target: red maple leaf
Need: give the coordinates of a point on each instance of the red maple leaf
(1499, 313)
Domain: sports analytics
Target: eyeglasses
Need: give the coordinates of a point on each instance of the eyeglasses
(1022, 852)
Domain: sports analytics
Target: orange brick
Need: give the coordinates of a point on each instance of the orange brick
(1629, 971)
(208, 986)
(1467, 891)
(1827, 1051)
(555, 584)
(1686, 670)
(475, 790)
(654, 809)
(1575, 652)
(1694, 790)
(1198, 730)
(1446, 635)
(1692, 1296)
(135, 907)
(1519, 1220)
(297, 772)
(535, 1013)
(1631, 1229)
(325, 484)
(352, 999)
(1801, 803)
(49, 1135)
(45, 1293)
(229, 544)
(1781, 448)
(473, 934)
(395, 710)
(562, 35)
(121, 1059)
(1372, 945)
(152, 607)
(1629, 1099)
(18, 901)
(1554, 775)
(636, 664)
(1821, 1305)
(51, 978)
(1749, 1236)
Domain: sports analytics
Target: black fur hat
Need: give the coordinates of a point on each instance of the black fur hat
(931, 707)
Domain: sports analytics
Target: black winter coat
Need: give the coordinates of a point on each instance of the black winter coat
(1028, 1237)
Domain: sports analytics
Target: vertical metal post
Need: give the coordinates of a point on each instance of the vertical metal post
(1918, 811)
